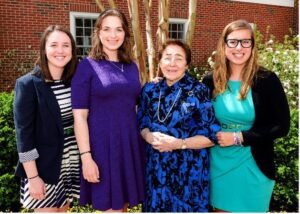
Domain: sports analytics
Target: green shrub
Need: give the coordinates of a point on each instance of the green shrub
(88, 208)
(9, 193)
(285, 194)
(283, 59)
(7, 134)
(9, 185)
(76, 208)
(198, 72)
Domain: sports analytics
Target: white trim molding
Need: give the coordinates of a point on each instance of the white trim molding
(285, 3)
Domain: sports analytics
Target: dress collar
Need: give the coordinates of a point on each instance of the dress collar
(180, 83)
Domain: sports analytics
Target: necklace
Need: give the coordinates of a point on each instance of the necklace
(172, 106)
(121, 69)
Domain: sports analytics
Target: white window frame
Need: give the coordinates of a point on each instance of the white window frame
(180, 21)
(285, 3)
(74, 15)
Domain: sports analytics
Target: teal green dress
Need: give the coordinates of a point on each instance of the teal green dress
(237, 184)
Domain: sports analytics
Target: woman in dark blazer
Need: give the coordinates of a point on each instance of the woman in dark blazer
(48, 154)
(253, 111)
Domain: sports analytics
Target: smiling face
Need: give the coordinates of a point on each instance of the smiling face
(239, 55)
(111, 35)
(58, 49)
(173, 63)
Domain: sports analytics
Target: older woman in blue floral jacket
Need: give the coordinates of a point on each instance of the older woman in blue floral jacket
(178, 123)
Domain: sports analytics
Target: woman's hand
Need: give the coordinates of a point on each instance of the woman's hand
(90, 169)
(165, 143)
(225, 139)
(37, 188)
(148, 136)
(161, 142)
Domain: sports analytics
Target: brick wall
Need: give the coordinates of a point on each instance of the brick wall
(296, 17)
(23, 21)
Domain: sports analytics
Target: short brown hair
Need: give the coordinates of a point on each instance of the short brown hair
(184, 46)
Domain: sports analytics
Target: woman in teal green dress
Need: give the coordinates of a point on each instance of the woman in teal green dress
(252, 108)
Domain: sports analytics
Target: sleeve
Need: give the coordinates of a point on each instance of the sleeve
(207, 122)
(80, 86)
(142, 110)
(278, 123)
(28, 156)
(25, 110)
(208, 81)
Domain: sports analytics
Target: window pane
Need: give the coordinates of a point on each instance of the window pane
(79, 32)
(180, 35)
(87, 23)
(79, 41)
(173, 27)
(173, 35)
(87, 31)
(180, 27)
(78, 22)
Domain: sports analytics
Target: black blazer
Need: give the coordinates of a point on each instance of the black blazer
(38, 125)
(272, 118)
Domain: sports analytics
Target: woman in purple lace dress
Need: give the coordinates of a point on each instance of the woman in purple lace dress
(104, 93)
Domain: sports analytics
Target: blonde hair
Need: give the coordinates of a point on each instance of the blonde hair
(125, 51)
(222, 71)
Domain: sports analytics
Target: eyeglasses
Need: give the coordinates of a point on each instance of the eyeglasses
(233, 43)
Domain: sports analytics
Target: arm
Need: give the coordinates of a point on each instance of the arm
(89, 167)
(275, 122)
(37, 188)
(142, 110)
(25, 110)
(230, 138)
(24, 116)
(166, 143)
(206, 120)
(208, 81)
(80, 98)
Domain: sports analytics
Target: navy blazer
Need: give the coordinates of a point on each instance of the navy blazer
(272, 118)
(38, 125)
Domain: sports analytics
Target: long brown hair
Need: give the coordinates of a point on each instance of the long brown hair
(124, 51)
(222, 71)
(42, 60)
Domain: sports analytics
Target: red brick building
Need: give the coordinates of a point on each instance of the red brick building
(22, 22)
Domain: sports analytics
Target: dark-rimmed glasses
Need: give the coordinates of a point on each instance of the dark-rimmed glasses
(233, 43)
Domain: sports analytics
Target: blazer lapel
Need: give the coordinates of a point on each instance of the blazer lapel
(45, 91)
